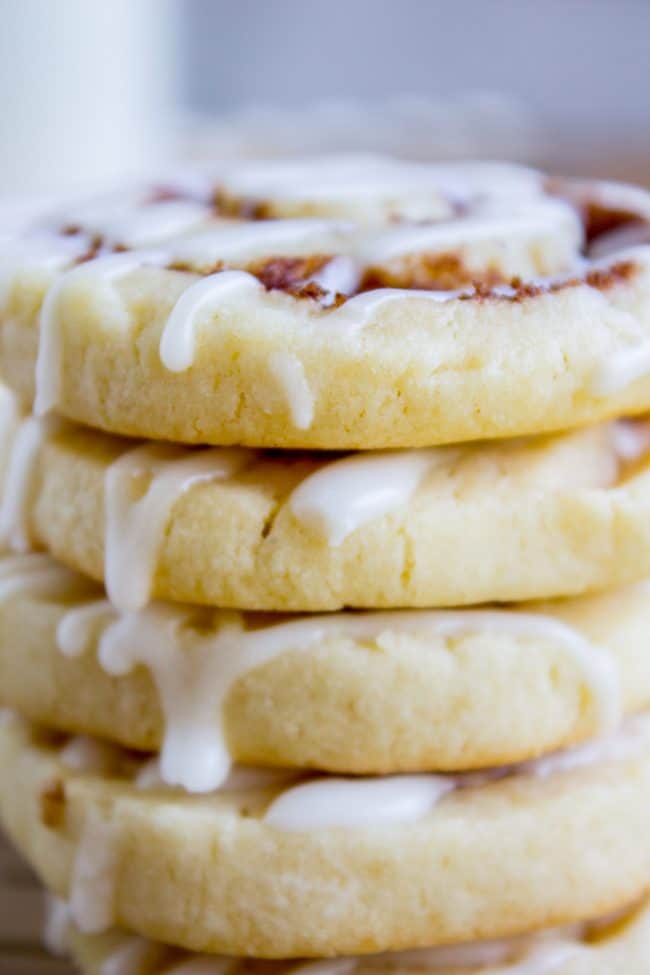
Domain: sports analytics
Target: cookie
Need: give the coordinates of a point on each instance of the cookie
(235, 528)
(619, 944)
(332, 865)
(354, 693)
(337, 304)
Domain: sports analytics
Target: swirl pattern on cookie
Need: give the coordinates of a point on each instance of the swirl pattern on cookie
(454, 300)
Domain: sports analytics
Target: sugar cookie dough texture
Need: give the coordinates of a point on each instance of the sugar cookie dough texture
(324, 600)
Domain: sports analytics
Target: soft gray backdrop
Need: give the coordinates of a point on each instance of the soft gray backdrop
(583, 66)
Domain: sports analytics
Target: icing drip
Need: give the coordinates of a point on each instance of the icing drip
(20, 480)
(73, 630)
(340, 497)
(134, 956)
(351, 803)
(193, 683)
(212, 294)
(195, 672)
(57, 924)
(135, 527)
(92, 892)
(289, 371)
(340, 276)
(102, 272)
(35, 575)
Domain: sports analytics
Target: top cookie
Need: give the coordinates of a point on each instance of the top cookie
(353, 302)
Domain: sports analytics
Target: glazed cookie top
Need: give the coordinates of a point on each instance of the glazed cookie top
(342, 302)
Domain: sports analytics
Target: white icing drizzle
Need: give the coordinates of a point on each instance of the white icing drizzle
(142, 225)
(103, 272)
(345, 494)
(20, 480)
(334, 802)
(249, 241)
(360, 310)
(366, 176)
(92, 890)
(134, 956)
(341, 275)
(35, 575)
(39, 251)
(193, 682)
(211, 294)
(135, 528)
(489, 223)
(352, 803)
(289, 371)
(57, 925)
(194, 676)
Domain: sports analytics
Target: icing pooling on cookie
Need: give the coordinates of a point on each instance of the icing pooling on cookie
(135, 526)
(20, 479)
(92, 890)
(102, 272)
(345, 494)
(352, 803)
(332, 802)
(194, 671)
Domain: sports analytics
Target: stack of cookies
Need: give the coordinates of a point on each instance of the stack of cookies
(345, 657)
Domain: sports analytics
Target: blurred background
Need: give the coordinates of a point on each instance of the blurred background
(94, 91)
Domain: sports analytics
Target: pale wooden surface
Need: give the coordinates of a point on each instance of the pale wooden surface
(21, 921)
